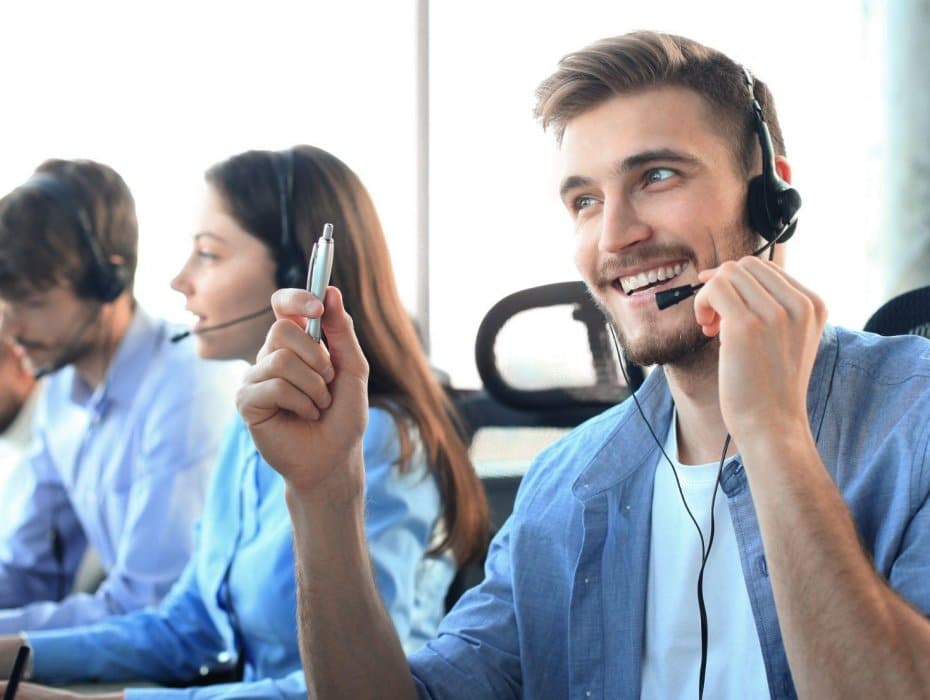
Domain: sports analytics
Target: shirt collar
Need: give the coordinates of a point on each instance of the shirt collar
(629, 447)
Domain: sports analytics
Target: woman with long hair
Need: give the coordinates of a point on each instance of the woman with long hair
(234, 607)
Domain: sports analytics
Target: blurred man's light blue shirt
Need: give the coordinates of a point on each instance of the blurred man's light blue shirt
(123, 469)
(238, 593)
(561, 613)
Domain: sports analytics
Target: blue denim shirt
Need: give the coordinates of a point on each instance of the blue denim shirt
(561, 611)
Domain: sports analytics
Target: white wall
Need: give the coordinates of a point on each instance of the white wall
(163, 90)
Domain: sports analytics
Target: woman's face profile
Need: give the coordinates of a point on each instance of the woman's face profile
(228, 274)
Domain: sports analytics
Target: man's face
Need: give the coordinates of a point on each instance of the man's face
(656, 196)
(53, 327)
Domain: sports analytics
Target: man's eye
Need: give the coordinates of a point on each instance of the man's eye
(584, 202)
(658, 175)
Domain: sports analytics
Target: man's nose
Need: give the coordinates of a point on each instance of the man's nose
(621, 226)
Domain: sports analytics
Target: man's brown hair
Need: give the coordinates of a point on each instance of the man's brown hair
(643, 60)
(41, 245)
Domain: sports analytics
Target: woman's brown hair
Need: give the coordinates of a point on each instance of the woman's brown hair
(326, 190)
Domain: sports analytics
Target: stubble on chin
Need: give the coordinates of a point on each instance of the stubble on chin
(652, 348)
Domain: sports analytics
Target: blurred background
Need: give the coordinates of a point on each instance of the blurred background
(431, 103)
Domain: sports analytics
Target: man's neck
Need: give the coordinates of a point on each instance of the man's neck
(693, 384)
(113, 324)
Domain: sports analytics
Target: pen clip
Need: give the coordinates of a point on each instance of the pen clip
(312, 265)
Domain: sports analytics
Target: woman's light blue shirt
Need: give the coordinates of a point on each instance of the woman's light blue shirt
(238, 592)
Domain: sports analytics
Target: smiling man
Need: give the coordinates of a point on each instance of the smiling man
(754, 523)
(127, 424)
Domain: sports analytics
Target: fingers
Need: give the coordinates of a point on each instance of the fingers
(284, 364)
(340, 334)
(296, 305)
(342, 350)
(290, 337)
(755, 291)
(262, 400)
(295, 373)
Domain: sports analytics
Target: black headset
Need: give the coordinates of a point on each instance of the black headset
(773, 203)
(292, 263)
(105, 280)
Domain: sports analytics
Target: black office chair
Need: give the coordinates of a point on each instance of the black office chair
(906, 314)
(565, 389)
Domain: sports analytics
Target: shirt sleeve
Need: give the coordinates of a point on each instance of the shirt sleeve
(477, 653)
(401, 513)
(42, 542)
(164, 500)
(171, 642)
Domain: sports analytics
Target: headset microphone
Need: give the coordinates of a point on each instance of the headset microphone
(670, 297)
(177, 337)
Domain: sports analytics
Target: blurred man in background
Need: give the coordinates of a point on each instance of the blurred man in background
(129, 422)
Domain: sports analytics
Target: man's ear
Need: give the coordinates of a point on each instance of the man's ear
(783, 168)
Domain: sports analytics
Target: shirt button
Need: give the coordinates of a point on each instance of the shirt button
(585, 579)
(587, 693)
(224, 657)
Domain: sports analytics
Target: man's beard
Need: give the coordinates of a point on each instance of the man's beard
(68, 350)
(656, 350)
(689, 342)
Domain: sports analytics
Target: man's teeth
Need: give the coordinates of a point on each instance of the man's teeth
(644, 279)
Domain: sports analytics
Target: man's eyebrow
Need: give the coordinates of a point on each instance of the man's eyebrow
(644, 157)
(629, 164)
(572, 182)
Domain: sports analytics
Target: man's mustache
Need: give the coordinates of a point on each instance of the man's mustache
(609, 269)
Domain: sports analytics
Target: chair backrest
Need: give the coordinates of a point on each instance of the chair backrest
(512, 417)
(906, 314)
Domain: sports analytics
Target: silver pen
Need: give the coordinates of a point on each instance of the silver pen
(321, 265)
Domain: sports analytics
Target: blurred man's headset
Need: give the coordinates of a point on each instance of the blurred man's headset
(105, 280)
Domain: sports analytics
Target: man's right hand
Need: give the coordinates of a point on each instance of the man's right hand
(306, 405)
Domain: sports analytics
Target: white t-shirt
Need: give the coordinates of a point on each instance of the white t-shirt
(672, 649)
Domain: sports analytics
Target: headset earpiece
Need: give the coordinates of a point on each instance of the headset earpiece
(773, 208)
(113, 283)
(291, 268)
(773, 204)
